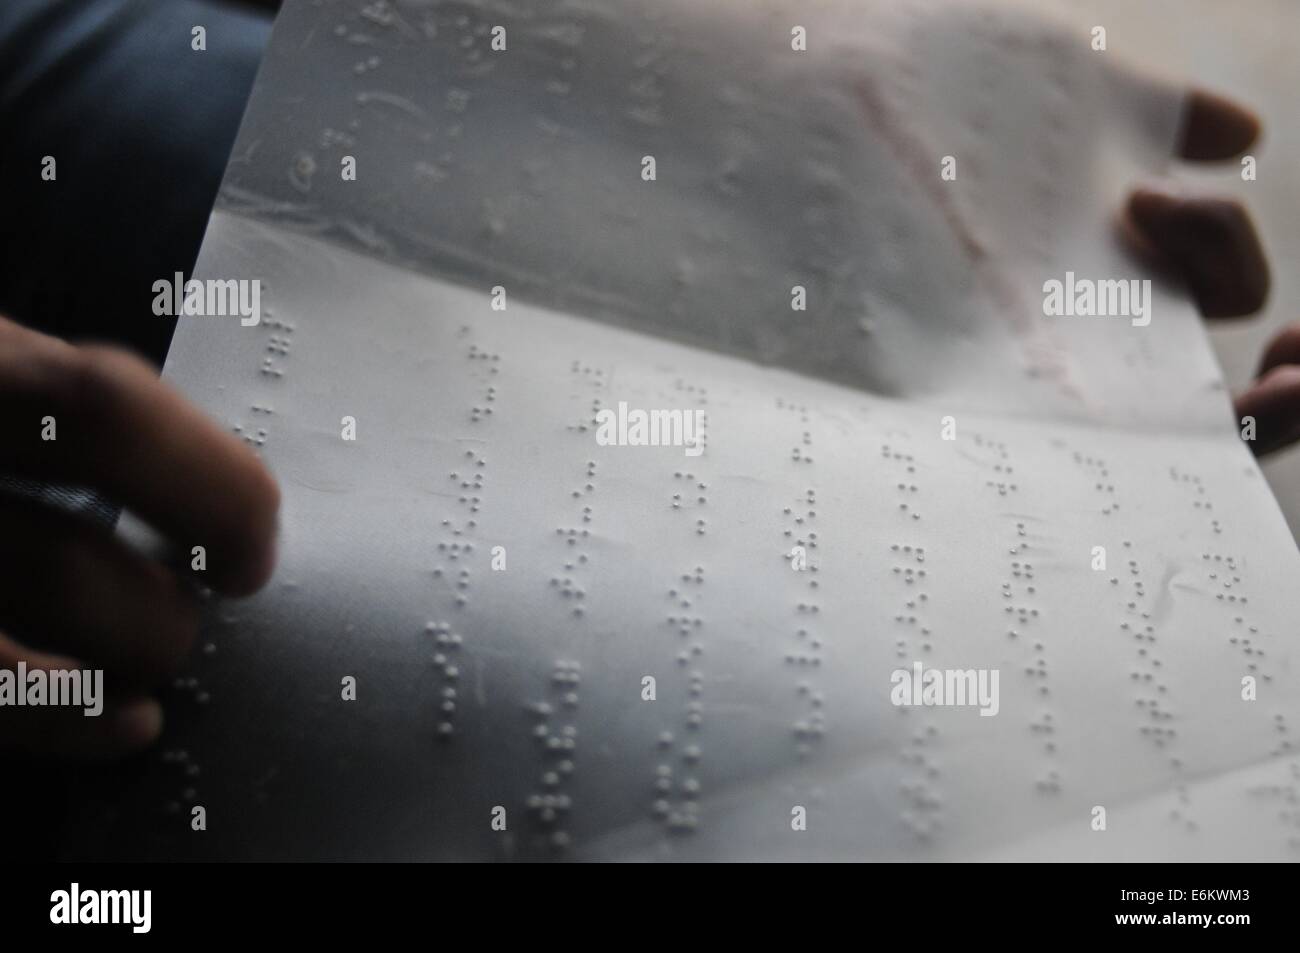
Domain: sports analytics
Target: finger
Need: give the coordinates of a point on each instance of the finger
(120, 429)
(1211, 243)
(122, 726)
(71, 588)
(1274, 402)
(1215, 127)
(1283, 349)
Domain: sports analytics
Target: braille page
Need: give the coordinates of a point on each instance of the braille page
(503, 628)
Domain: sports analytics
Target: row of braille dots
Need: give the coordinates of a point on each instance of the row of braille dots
(700, 395)
(550, 807)
(922, 813)
(675, 800)
(1146, 674)
(802, 516)
(1181, 814)
(187, 773)
(688, 625)
(179, 759)
(255, 436)
(910, 575)
(190, 686)
(914, 599)
(1199, 500)
(691, 492)
(1284, 745)
(699, 488)
(1288, 812)
(1151, 689)
(279, 341)
(800, 452)
(458, 548)
(592, 378)
(1021, 570)
(1020, 573)
(685, 618)
(190, 683)
(1224, 577)
(447, 646)
(1154, 716)
(805, 652)
(567, 586)
(1044, 726)
(1223, 574)
(1100, 475)
(1024, 614)
(1001, 468)
(906, 487)
(478, 412)
(922, 816)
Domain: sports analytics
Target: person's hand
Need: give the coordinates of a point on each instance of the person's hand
(72, 596)
(1273, 399)
(1211, 243)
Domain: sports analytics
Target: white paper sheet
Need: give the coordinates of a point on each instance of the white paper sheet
(1119, 689)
